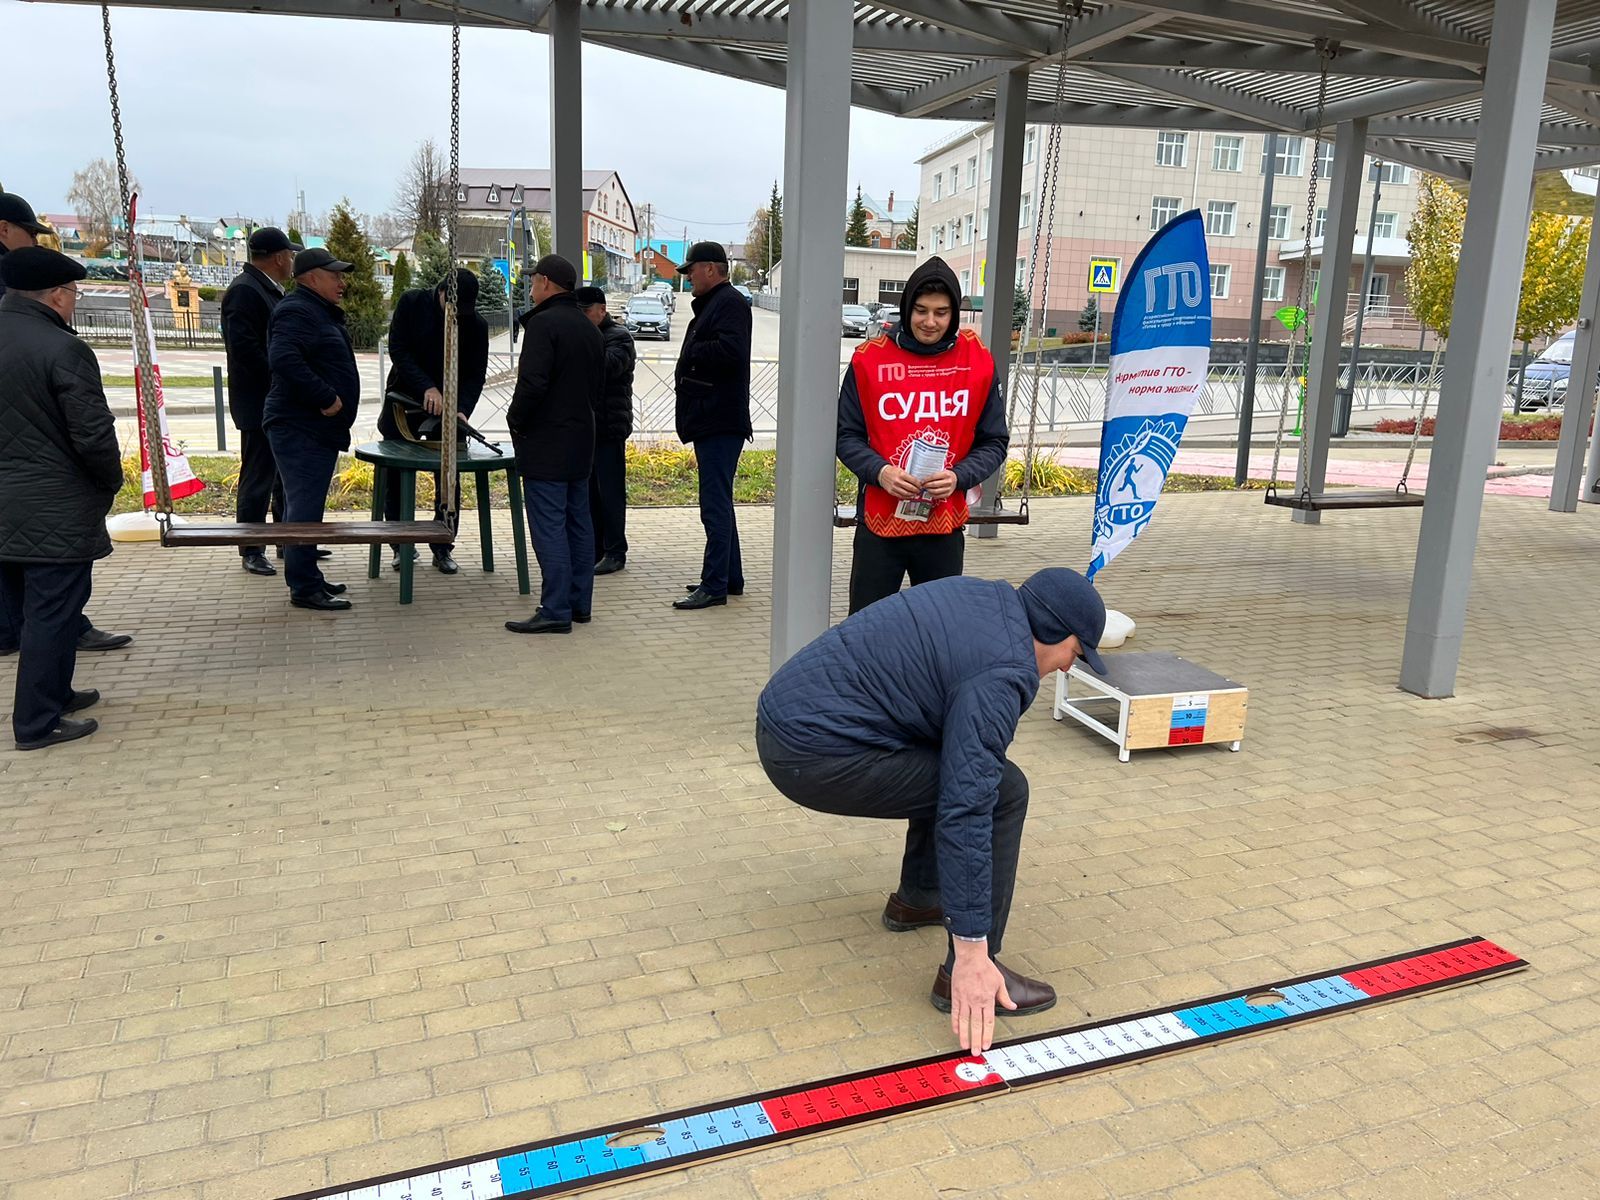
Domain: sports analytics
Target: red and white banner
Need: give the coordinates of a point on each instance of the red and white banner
(181, 479)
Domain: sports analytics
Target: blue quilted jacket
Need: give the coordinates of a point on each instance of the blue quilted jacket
(947, 664)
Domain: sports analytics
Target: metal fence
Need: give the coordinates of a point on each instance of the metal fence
(114, 326)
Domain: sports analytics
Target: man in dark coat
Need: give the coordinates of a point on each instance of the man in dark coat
(560, 378)
(20, 228)
(416, 371)
(60, 468)
(310, 409)
(608, 484)
(713, 387)
(246, 312)
(904, 711)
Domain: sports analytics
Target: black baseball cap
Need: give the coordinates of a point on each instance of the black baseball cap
(588, 296)
(270, 240)
(1060, 602)
(310, 260)
(700, 252)
(558, 271)
(35, 269)
(17, 211)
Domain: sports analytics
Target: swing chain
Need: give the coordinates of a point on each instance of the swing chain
(452, 366)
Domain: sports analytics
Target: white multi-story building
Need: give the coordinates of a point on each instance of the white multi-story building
(1116, 186)
(610, 225)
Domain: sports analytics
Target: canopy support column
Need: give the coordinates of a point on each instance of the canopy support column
(566, 131)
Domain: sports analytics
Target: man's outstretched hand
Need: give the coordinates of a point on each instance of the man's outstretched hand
(975, 986)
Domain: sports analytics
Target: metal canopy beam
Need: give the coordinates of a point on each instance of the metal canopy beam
(1285, 60)
(1398, 101)
(1219, 97)
(1422, 160)
(1556, 160)
(774, 31)
(981, 21)
(1400, 14)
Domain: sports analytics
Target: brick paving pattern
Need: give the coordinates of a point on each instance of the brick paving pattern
(333, 896)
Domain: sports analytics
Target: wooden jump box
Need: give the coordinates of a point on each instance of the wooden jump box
(1156, 699)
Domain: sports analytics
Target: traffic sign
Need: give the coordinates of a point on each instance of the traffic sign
(1104, 273)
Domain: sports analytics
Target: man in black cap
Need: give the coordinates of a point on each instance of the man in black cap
(20, 228)
(608, 484)
(559, 381)
(60, 468)
(713, 388)
(309, 410)
(904, 711)
(246, 313)
(416, 374)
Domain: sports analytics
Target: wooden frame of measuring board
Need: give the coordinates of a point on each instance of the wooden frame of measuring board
(1159, 700)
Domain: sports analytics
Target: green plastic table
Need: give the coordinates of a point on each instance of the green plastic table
(406, 459)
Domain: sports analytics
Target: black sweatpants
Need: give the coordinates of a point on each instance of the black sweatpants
(903, 785)
(608, 498)
(44, 603)
(259, 485)
(879, 564)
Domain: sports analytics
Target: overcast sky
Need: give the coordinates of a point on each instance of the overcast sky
(226, 114)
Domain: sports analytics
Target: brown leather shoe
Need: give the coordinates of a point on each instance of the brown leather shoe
(1029, 995)
(898, 916)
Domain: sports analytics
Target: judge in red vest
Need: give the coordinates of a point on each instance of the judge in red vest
(922, 423)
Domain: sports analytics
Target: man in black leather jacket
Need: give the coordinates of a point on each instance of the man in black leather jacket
(608, 484)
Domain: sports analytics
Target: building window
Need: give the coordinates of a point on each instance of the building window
(1221, 217)
(1025, 211)
(461, 195)
(1321, 223)
(1278, 218)
(983, 224)
(966, 283)
(938, 186)
(1391, 172)
(972, 171)
(1027, 145)
(1290, 159)
(1163, 209)
(1172, 148)
(938, 237)
(494, 196)
(966, 230)
(1316, 282)
(1227, 150)
(1325, 159)
(516, 195)
(955, 178)
(1022, 271)
(1221, 273)
(1384, 226)
(1272, 283)
(852, 289)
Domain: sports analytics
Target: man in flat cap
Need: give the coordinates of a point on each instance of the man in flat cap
(20, 227)
(309, 410)
(60, 468)
(559, 381)
(246, 312)
(904, 711)
(713, 388)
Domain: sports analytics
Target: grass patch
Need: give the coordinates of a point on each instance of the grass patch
(167, 381)
(658, 477)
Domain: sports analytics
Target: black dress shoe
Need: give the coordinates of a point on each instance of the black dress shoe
(539, 624)
(898, 916)
(1029, 995)
(257, 564)
(66, 731)
(321, 602)
(444, 564)
(699, 598)
(400, 555)
(99, 639)
(582, 618)
(82, 700)
(609, 564)
(324, 553)
(732, 591)
(335, 589)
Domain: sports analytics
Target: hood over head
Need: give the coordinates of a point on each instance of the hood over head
(933, 275)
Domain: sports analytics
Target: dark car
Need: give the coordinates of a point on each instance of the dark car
(646, 317)
(855, 321)
(886, 318)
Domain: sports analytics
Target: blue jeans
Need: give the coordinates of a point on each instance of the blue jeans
(563, 542)
(306, 467)
(722, 567)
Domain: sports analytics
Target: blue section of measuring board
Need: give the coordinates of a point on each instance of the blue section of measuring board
(1188, 718)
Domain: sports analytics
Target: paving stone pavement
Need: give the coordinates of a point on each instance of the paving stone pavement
(329, 896)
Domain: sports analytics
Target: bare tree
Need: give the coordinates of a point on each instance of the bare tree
(419, 201)
(97, 202)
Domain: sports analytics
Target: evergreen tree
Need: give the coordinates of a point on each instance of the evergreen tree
(433, 261)
(491, 288)
(1021, 310)
(402, 276)
(908, 235)
(1090, 316)
(294, 236)
(366, 309)
(775, 225)
(855, 233)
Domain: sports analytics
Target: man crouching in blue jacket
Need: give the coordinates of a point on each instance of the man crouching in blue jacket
(904, 711)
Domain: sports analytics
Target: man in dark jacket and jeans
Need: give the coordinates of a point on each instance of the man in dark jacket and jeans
(905, 711)
(246, 312)
(60, 468)
(713, 386)
(608, 484)
(310, 409)
(416, 371)
(559, 381)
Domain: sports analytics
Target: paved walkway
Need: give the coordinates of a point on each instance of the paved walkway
(332, 896)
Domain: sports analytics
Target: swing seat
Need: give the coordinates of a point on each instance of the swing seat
(307, 533)
(1351, 498)
(844, 517)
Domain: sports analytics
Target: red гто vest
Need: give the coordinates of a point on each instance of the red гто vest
(939, 397)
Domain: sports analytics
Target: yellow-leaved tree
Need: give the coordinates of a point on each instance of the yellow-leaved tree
(1552, 280)
(1435, 236)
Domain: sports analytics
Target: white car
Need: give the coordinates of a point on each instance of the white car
(662, 291)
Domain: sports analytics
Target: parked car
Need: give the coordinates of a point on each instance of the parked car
(749, 298)
(1545, 385)
(662, 291)
(855, 320)
(648, 317)
(886, 319)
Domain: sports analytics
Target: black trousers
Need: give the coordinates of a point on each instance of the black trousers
(44, 603)
(879, 564)
(608, 498)
(260, 489)
(903, 785)
(391, 507)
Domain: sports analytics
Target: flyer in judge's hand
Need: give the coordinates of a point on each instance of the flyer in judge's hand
(923, 458)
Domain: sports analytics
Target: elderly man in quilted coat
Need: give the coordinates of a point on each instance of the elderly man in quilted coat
(60, 468)
(905, 712)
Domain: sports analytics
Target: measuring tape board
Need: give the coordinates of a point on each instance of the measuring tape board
(575, 1163)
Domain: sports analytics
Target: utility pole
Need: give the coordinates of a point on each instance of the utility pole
(683, 278)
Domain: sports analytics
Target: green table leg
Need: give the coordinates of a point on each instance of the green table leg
(408, 512)
(380, 480)
(485, 523)
(514, 491)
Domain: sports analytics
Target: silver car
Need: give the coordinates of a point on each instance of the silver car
(647, 318)
(855, 321)
(663, 293)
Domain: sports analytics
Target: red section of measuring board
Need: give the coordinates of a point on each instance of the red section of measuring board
(577, 1162)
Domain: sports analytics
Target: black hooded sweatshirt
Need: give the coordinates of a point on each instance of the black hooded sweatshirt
(992, 437)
